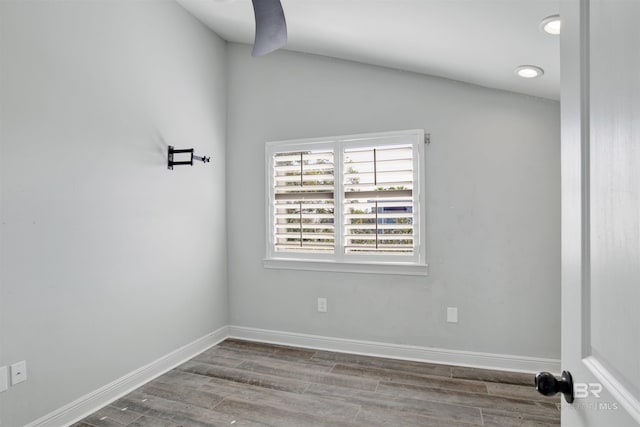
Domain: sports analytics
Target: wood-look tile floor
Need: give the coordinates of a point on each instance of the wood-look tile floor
(240, 383)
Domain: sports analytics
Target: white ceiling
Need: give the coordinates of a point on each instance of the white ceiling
(475, 41)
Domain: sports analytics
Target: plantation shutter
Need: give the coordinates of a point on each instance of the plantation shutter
(379, 199)
(304, 201)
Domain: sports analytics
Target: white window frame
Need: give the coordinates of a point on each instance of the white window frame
(414, 264)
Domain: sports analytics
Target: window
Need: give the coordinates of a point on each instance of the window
(303, 199)
(346, 203)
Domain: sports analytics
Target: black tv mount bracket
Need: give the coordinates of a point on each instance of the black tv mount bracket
(172, 151)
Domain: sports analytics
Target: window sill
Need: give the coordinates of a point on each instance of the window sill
(348, 267)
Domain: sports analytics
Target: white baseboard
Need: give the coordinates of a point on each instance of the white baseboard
(95, 400)
(503, 362)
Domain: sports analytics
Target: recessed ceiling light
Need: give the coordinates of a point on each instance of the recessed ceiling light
(529, 71)
(551, 25)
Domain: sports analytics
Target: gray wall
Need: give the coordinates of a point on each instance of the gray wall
(108, 260)
(493, 207)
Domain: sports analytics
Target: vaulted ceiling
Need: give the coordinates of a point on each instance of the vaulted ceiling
(474, 41)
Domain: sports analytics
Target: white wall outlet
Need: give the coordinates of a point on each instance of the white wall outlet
(322, 305)
(18, 372)
(452, 314)
(4, 379)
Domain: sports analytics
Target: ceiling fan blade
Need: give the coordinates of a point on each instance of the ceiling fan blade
(271, 27)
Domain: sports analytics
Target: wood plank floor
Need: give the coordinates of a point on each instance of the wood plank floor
(241, 383)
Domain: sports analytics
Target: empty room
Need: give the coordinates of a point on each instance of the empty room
(319, 213)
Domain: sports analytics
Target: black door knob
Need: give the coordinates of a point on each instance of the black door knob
(549, 385)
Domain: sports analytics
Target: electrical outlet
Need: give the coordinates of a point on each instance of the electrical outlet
(322, 305)
(4, 380)
(18, 372)
(452, 314)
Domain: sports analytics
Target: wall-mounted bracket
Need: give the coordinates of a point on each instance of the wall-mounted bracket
(171, 163)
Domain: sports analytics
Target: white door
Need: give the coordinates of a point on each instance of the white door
(600, 59)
